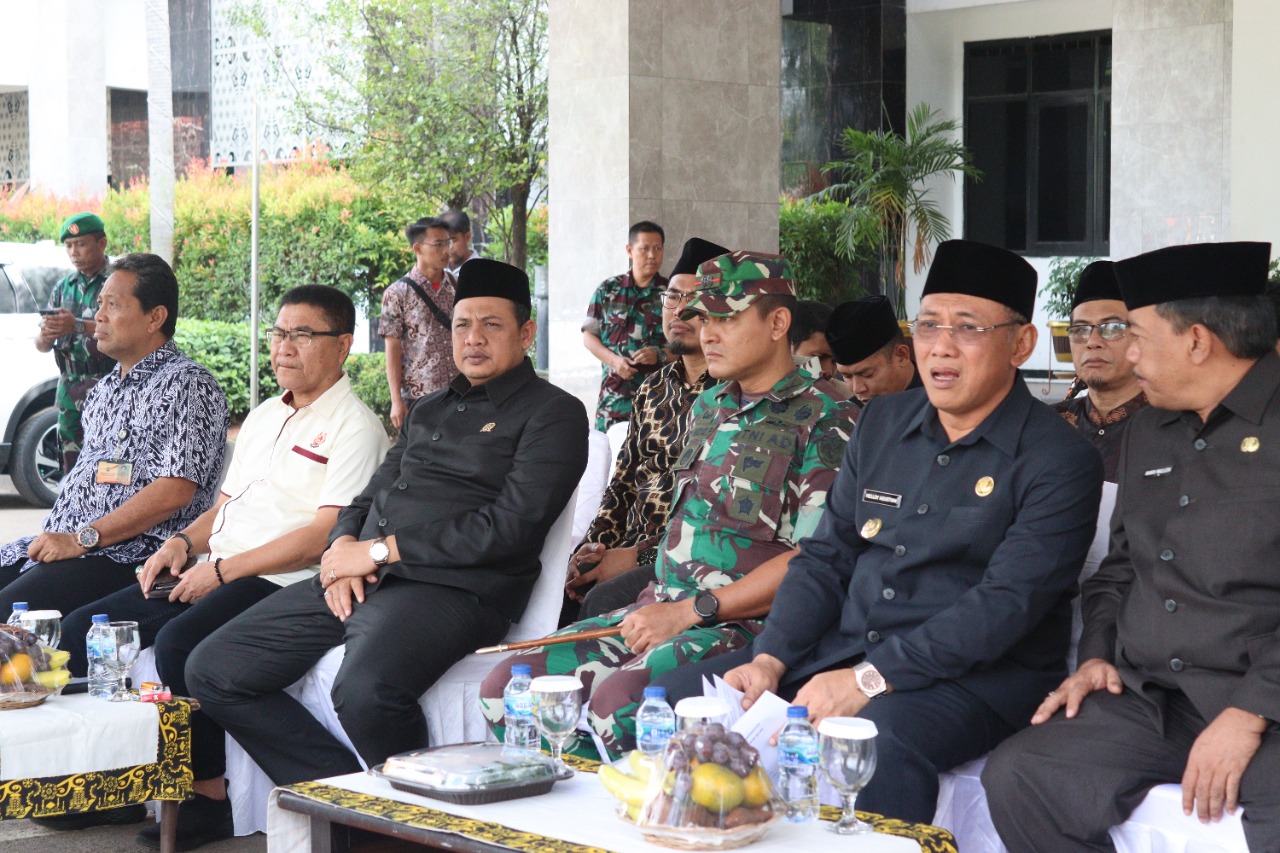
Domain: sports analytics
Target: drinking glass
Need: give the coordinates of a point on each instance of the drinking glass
(557, 706)
(45, 624)
(847, 755)
(127, 646)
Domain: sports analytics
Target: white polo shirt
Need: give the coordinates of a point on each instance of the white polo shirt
(288, 463)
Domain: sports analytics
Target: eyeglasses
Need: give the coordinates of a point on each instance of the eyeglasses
(435, 244)
(927, 331)
(301, 338)
(676, 298)
(1110, 331)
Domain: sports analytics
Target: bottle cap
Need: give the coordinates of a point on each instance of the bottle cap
(702, 706)
(655, 692)
(101, 617)
(555, 684)
(520, 669)
(20, 605)
(797, 712)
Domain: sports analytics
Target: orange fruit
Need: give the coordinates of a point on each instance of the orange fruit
(17, 670)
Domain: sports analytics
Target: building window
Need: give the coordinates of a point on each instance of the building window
(1038, 121)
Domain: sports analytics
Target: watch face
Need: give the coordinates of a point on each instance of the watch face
(706, 605)
(870, 681)
(88, 537)
(379, 552)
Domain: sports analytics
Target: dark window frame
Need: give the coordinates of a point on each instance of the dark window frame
(1097, 97)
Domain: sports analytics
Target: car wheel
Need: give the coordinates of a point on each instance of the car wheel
(36, 465)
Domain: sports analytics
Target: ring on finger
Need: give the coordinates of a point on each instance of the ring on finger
(333, 575)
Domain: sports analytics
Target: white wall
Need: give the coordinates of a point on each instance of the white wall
(1255, 122)
(937, 31)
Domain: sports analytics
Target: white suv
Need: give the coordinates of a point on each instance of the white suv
(29, 445)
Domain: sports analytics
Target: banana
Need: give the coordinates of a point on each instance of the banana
(642, 767)
(54, 679)
(628, 789)
(57, 659)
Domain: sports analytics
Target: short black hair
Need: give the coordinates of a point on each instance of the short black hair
(456, 221)
(1246, 325)
(766, 304)
(645, 226)
(155, 285)
(336, 306)
(415, 231)
(809, 318)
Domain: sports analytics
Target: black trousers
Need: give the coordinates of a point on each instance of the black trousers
(1063, 784)
(64, 584)
(175, 629)
(398, 643)
(617, 592)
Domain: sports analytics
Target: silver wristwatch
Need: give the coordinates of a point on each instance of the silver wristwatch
(379, 552)
(869, 679)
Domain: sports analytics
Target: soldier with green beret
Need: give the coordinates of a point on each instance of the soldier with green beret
(762, 449)
(67, 327)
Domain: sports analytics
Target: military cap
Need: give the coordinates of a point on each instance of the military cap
(1097, 281)
(486, 277)
(730, 283)
(79, 224)
(1192, 272)
(976, 269)
(696, 252)
(860, 328)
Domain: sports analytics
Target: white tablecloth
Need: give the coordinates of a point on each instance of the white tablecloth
(76, 734)
(577, 810)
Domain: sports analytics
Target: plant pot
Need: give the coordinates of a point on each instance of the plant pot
(1061, 343)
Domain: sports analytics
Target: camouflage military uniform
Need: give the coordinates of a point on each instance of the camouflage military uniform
(750, 483)
(80, 365)
(627, 319)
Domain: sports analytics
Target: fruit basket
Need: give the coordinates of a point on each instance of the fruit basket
(708, 792)
(29, 672)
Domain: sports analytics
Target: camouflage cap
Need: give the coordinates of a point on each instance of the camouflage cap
(730, 283)
(78, 224)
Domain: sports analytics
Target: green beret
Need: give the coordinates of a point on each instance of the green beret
(79, 224)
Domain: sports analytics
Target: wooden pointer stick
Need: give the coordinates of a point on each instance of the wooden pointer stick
(593, 634)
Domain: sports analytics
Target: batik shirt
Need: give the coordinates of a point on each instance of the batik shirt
(426, 346)
(1105, 432)
(751, 481)
(627, 319)
(168, 417)
(637, 501)
(78, 355)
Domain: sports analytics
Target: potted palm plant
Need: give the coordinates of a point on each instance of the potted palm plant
(891, 208)
(1058, 291)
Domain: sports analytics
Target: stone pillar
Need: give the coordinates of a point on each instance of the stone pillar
(68, 100)
(1171, 124)
(659, 109)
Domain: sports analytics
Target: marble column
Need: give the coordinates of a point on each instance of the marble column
(1171, 124)
(659, 109)
(1255, 124)
(67, 104)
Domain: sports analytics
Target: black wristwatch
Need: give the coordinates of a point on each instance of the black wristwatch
(706, 605)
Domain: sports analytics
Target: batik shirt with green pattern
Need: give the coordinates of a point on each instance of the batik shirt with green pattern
(80, 365)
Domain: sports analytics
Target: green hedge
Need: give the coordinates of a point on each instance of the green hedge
(223, 348)
(807, 238)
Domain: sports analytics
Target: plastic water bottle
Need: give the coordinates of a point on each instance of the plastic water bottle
(655, 722)
(798, 765)
(15, 618)
(98, 647)
(517, 703)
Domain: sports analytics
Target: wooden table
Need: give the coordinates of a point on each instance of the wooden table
(578, 817)
(167, 780)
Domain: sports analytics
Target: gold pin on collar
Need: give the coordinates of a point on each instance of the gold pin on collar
(871, 528)
(488, 427)
(984, 487)
(1250, 444)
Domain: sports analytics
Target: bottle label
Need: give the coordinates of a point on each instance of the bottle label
(799, 754)
(519, 705)
(654, 735)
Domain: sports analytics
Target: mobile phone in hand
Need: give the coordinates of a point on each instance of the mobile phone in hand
(50, 312)
(161, 589)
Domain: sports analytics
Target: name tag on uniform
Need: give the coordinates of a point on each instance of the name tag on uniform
(872, 496)
(115, 472)
(1157, 472)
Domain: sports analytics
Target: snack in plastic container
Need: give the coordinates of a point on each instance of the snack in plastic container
(28, 671)
(711, 791)
(470, 773)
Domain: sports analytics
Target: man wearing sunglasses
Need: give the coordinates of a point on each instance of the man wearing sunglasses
(1099, 336)
(934, 596)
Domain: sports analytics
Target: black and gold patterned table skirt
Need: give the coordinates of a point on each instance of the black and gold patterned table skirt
(932, 839)
(167, 778)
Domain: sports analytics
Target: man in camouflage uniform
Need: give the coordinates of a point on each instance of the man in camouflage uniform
(624, 324)
(67, 328)
(751, 482)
